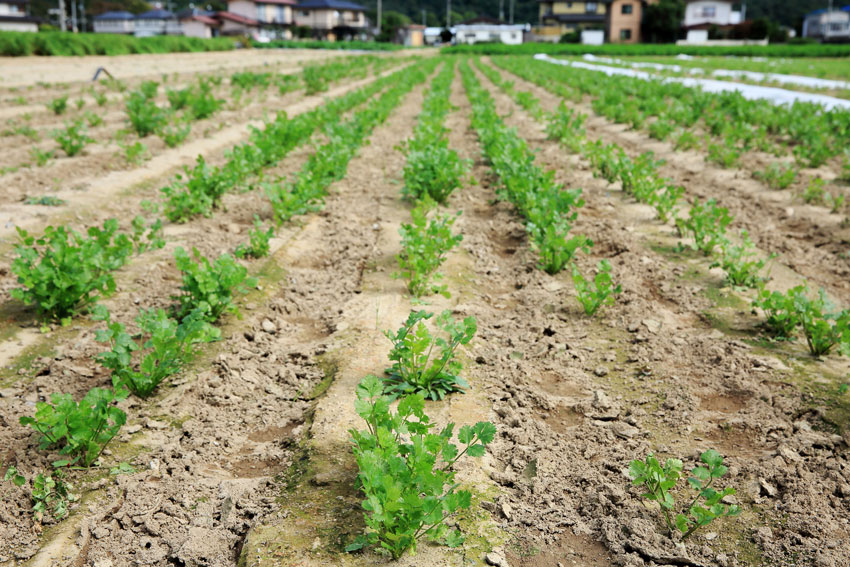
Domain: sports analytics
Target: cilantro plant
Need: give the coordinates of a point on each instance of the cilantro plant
(665, 201)
(208, 287)
(424, 363)
(164, 346)
(567, 127)
(81, 430)
(706, 223)
(196, 192)
(41, 157)
(780, 311)
(73, 138)
(63, 270)
(51, 495)
(258, 241)
(147, 237)
(175, 133)
(777, 175)
(659, 482)
(433, 170)
(405, 471)
(593, 294)
(823, 326)
(143, 113)
(58, 105)
(740, 262)
(425, 244)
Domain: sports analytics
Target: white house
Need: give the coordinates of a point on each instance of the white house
(272, 18)
(157, 22)
(200, 25)
(331, 18)
(114, 22)
(708, 12)
(828, 26)
(471, 33)
(14, 16)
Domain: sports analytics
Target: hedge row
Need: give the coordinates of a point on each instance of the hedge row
(59, 43)
(314, 44)
(652, 49)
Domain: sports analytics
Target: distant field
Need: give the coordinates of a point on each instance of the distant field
(646, 50)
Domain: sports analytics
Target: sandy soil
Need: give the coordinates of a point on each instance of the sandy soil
(21, 71)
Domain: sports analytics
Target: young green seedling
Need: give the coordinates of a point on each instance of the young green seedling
(740, 262)
(593, 294)
(426, 364)
(406, 471)
(659, 481)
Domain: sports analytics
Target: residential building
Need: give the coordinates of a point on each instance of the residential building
(332, 19)
(266, 12)
(705, 13)
(14, 16)
(412, 35)
(828, 26)
(489, 30)
(623, 21)
(557, 17)
(237, 24)
(157, 22)
(199, 23)
(115, 22)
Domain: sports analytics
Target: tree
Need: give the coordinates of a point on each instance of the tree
(662, 21)
(391, 22)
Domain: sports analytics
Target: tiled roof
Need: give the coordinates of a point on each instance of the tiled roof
(237, 18)
(120, 15)
(330, 5)
(156, 15)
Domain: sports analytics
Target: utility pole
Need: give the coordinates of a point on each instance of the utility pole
(501, 11)
(83, 22)
(448, 14)
(74, 16)
(62, 15)
(423, 17)
(379, 17)
(511, 8)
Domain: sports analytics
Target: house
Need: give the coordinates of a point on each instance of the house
(199, 23)
(332, 19)
(622, 22)
(115, 22)
(488, 30)
(557, 18)
(412, 35)
(701, 14)
(14, 16)
(828, 26)
(237, 24)
(156, 22)
(273, 17)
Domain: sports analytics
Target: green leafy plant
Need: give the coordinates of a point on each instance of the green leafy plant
(815, 192)
(665, 201)
(41, 157)
(58, 105)
(209, 287)
(178, 98)
(740, 262)
(433, 170)
(706, 223)
(174, 134)
(51, 495)
(258, 241)
(659, 481)
(198, 194)
(823, 326)
(147, 237)
(63, 270)
(73, 138)
(100, 98)
(202, 103)
(593, 294)
(81, 430)
(93, 119)
(567, 127)
(46, 200)
(406, 471)
(135, 153)
(777, 175)
(723, 154)
(424, 363)
(425, 244)
(780, 311)
(143, 113)
(11, 474)
(163, 344)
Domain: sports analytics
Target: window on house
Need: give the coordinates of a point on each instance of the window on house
(709, 11)
(590, 7)
(305, 13)
(281, 14)
(627, 9)
(625, 34)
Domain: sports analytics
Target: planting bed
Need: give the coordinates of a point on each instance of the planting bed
(244, 455)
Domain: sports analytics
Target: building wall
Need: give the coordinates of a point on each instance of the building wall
(113, 26)
(243, 8)
(191, 28)
(620, 22)
(11, 10)
(574, 8)
(699, 12)
(19, 26)
(328, 19)
(273, 13)
(235, 28)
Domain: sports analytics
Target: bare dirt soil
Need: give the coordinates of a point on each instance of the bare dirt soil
(243, 456)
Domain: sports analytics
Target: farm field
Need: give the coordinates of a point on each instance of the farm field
(613, 288)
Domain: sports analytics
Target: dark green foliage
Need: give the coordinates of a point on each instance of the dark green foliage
(208, 288)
